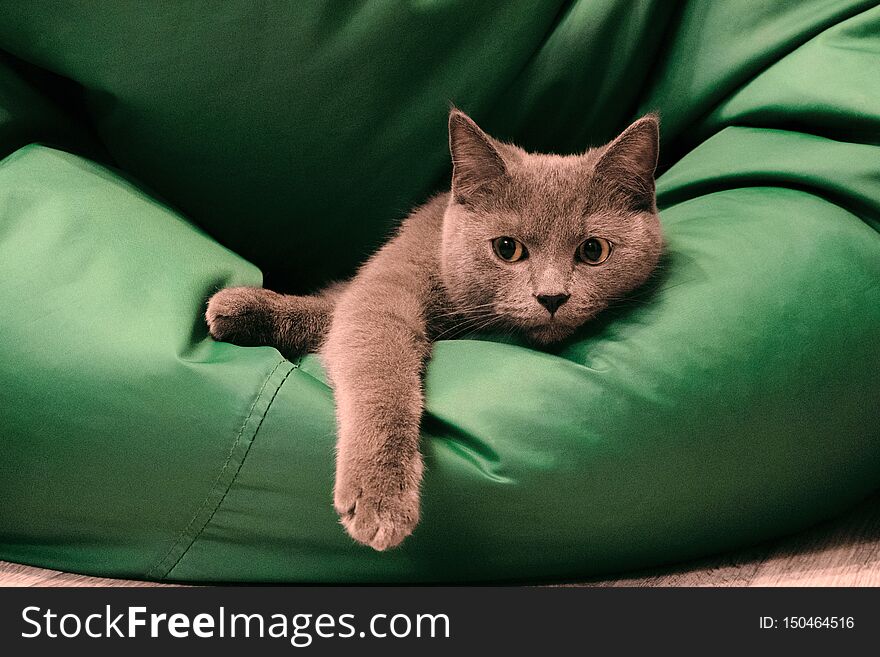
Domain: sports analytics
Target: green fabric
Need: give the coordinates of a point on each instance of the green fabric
(251, 116)
(733, 400)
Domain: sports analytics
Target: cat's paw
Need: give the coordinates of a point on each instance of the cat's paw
(242, 315)
(379, 508)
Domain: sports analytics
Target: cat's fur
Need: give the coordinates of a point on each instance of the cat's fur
(439, 276)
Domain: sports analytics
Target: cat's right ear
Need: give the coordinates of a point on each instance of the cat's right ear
(630, 161)
(476, 163)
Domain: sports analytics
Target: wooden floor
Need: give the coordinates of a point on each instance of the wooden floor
(843, 552)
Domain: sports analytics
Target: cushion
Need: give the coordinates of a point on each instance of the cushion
(730, 401)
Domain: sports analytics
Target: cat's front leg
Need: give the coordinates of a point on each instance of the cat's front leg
(253, 316)
(377, 498)
(243, 315)
(375, 360)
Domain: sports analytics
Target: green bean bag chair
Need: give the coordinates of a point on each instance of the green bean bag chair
(155, 152)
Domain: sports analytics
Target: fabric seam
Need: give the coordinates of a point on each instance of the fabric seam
(225, 477)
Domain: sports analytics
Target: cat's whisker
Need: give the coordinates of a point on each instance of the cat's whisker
(485, 325)
(465, 315)
(483, 312)
(465, 310)
(479, 326)
(452, 332)
(466, 325)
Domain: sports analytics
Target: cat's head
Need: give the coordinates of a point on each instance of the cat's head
(541, 243)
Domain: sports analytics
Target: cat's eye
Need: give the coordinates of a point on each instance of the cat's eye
(509, 249)
(594, 251)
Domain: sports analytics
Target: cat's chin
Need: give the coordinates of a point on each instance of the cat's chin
(546, 334)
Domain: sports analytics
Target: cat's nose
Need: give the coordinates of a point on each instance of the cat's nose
(552, 301)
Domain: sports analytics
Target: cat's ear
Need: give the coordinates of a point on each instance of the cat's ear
(630, 160)
(476, 163)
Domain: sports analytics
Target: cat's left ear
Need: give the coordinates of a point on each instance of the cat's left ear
(630, 160)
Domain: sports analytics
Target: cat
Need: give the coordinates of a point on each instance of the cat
(531, 243)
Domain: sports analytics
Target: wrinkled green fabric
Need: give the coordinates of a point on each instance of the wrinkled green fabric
(324, 122)
(732, 400)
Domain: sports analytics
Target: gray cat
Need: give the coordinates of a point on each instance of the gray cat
(531, 243)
